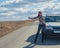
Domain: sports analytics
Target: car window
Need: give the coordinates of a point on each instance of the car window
(50, 19)
(58, 19)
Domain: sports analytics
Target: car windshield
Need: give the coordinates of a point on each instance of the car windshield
(52, 18)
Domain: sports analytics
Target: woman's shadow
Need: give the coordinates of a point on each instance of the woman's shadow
(48, 41)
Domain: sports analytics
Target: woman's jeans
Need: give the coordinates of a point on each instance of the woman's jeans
(41, 26)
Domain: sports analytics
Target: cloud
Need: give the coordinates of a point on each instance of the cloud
(7, 2)
(15, 5)
(21, 3)
(7, 13)
(21, 9)
(17, 1)
(3, 8)
(38, 1)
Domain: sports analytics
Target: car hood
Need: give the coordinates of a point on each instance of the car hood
(53, 24)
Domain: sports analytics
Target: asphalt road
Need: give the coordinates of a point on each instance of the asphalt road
(24, 37)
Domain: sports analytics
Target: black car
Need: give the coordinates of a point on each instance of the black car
(52, 27)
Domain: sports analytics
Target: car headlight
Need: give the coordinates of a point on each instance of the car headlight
(49, 27)
(48, 30)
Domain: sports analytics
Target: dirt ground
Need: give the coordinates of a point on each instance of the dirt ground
(9, 26)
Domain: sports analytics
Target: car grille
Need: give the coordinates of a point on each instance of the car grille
(57, 28)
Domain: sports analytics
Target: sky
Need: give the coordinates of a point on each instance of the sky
(13, 10)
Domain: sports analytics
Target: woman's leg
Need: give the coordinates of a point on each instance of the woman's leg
(43, 29)
(39, 27)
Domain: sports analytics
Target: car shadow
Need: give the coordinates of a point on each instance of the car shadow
(48, 41)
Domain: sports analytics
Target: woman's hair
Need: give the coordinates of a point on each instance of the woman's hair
(39, 13)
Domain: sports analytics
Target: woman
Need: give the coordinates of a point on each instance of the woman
(41, 24)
